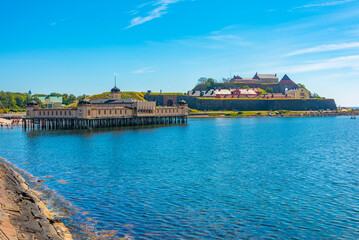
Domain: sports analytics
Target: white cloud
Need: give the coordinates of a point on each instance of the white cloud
(159, 10)
(325, 4)
(333, 63)
(143, 70)
(325, 48)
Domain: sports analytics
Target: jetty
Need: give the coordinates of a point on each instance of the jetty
(104, 113)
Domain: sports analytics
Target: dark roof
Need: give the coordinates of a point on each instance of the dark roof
(236, 77)
(111, 101)
(32, 102)
(287, 81)
(84, 101)
(115, 89)
(286, 77)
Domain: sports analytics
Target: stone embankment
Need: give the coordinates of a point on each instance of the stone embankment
(23, 216)
(305, 114)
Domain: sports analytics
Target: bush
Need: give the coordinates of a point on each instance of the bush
(281, 112)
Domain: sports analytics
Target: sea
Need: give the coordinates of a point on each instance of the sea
(222, 178)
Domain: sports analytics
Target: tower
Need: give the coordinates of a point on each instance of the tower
(115, 92)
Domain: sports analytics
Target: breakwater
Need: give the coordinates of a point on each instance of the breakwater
(22, 214)
(246, 104)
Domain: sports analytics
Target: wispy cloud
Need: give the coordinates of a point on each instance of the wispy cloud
(325, 48)
(225, 38)
(325, 4)
(333, 63)
(143, 70)
(60, 21)
(160, 8)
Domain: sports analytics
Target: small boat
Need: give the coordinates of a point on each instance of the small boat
(353, 117)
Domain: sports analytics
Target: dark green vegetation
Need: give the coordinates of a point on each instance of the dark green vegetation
(16, 102)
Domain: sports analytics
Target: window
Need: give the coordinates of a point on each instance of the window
(56, 113)
(110, 112)
(69, 113)
(115, 112)
(60, 113)
(104, 112)
(89, 112)
(80, 111)
(39, 113)
(52, 113)
(302, 94)
(65, 113)
(99, 112)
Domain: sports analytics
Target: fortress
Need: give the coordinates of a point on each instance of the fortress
(263, 92)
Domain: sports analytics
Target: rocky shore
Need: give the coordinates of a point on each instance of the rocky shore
(23, 216)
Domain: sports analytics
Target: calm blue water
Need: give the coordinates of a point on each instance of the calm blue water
(212, 179)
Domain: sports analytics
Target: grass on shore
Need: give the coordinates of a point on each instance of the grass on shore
(249, 113)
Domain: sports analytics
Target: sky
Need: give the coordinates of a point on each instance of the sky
(78, 46)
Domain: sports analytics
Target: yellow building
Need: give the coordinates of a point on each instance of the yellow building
(300, 93)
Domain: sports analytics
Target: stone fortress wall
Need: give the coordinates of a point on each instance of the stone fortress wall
(245, 104)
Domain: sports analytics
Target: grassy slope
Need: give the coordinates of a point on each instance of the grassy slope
(107, 95)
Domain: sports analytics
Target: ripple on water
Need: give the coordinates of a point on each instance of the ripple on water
(213, 179)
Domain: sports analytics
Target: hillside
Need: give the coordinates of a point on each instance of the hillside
(107, 95)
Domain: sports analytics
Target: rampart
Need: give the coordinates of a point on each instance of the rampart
(245, 104)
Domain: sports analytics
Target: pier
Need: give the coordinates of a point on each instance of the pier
(74, 123)
(104, 113)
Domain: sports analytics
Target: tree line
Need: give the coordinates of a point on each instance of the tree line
(16, 102)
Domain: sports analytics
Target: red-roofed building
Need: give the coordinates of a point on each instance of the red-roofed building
(287, 84)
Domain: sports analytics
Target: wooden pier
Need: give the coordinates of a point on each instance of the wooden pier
(75, 123)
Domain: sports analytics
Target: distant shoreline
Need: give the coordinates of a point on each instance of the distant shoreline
(277, 114)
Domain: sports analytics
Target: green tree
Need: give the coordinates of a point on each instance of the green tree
(202, 80)
(301, 85)
(11, 102)
(210, 83)
(39, 102)
(55, 94)
(269, 90)
(226, 80)
(20, 101)
(71, 99)
(81, 97)
(65, 98)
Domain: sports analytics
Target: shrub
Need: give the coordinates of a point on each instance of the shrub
(281, 112)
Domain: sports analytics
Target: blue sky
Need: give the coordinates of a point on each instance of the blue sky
(77, 46)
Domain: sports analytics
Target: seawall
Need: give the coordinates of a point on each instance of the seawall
(246, 104)
(22, 214)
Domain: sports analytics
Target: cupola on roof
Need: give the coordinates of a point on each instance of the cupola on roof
(115, 89)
